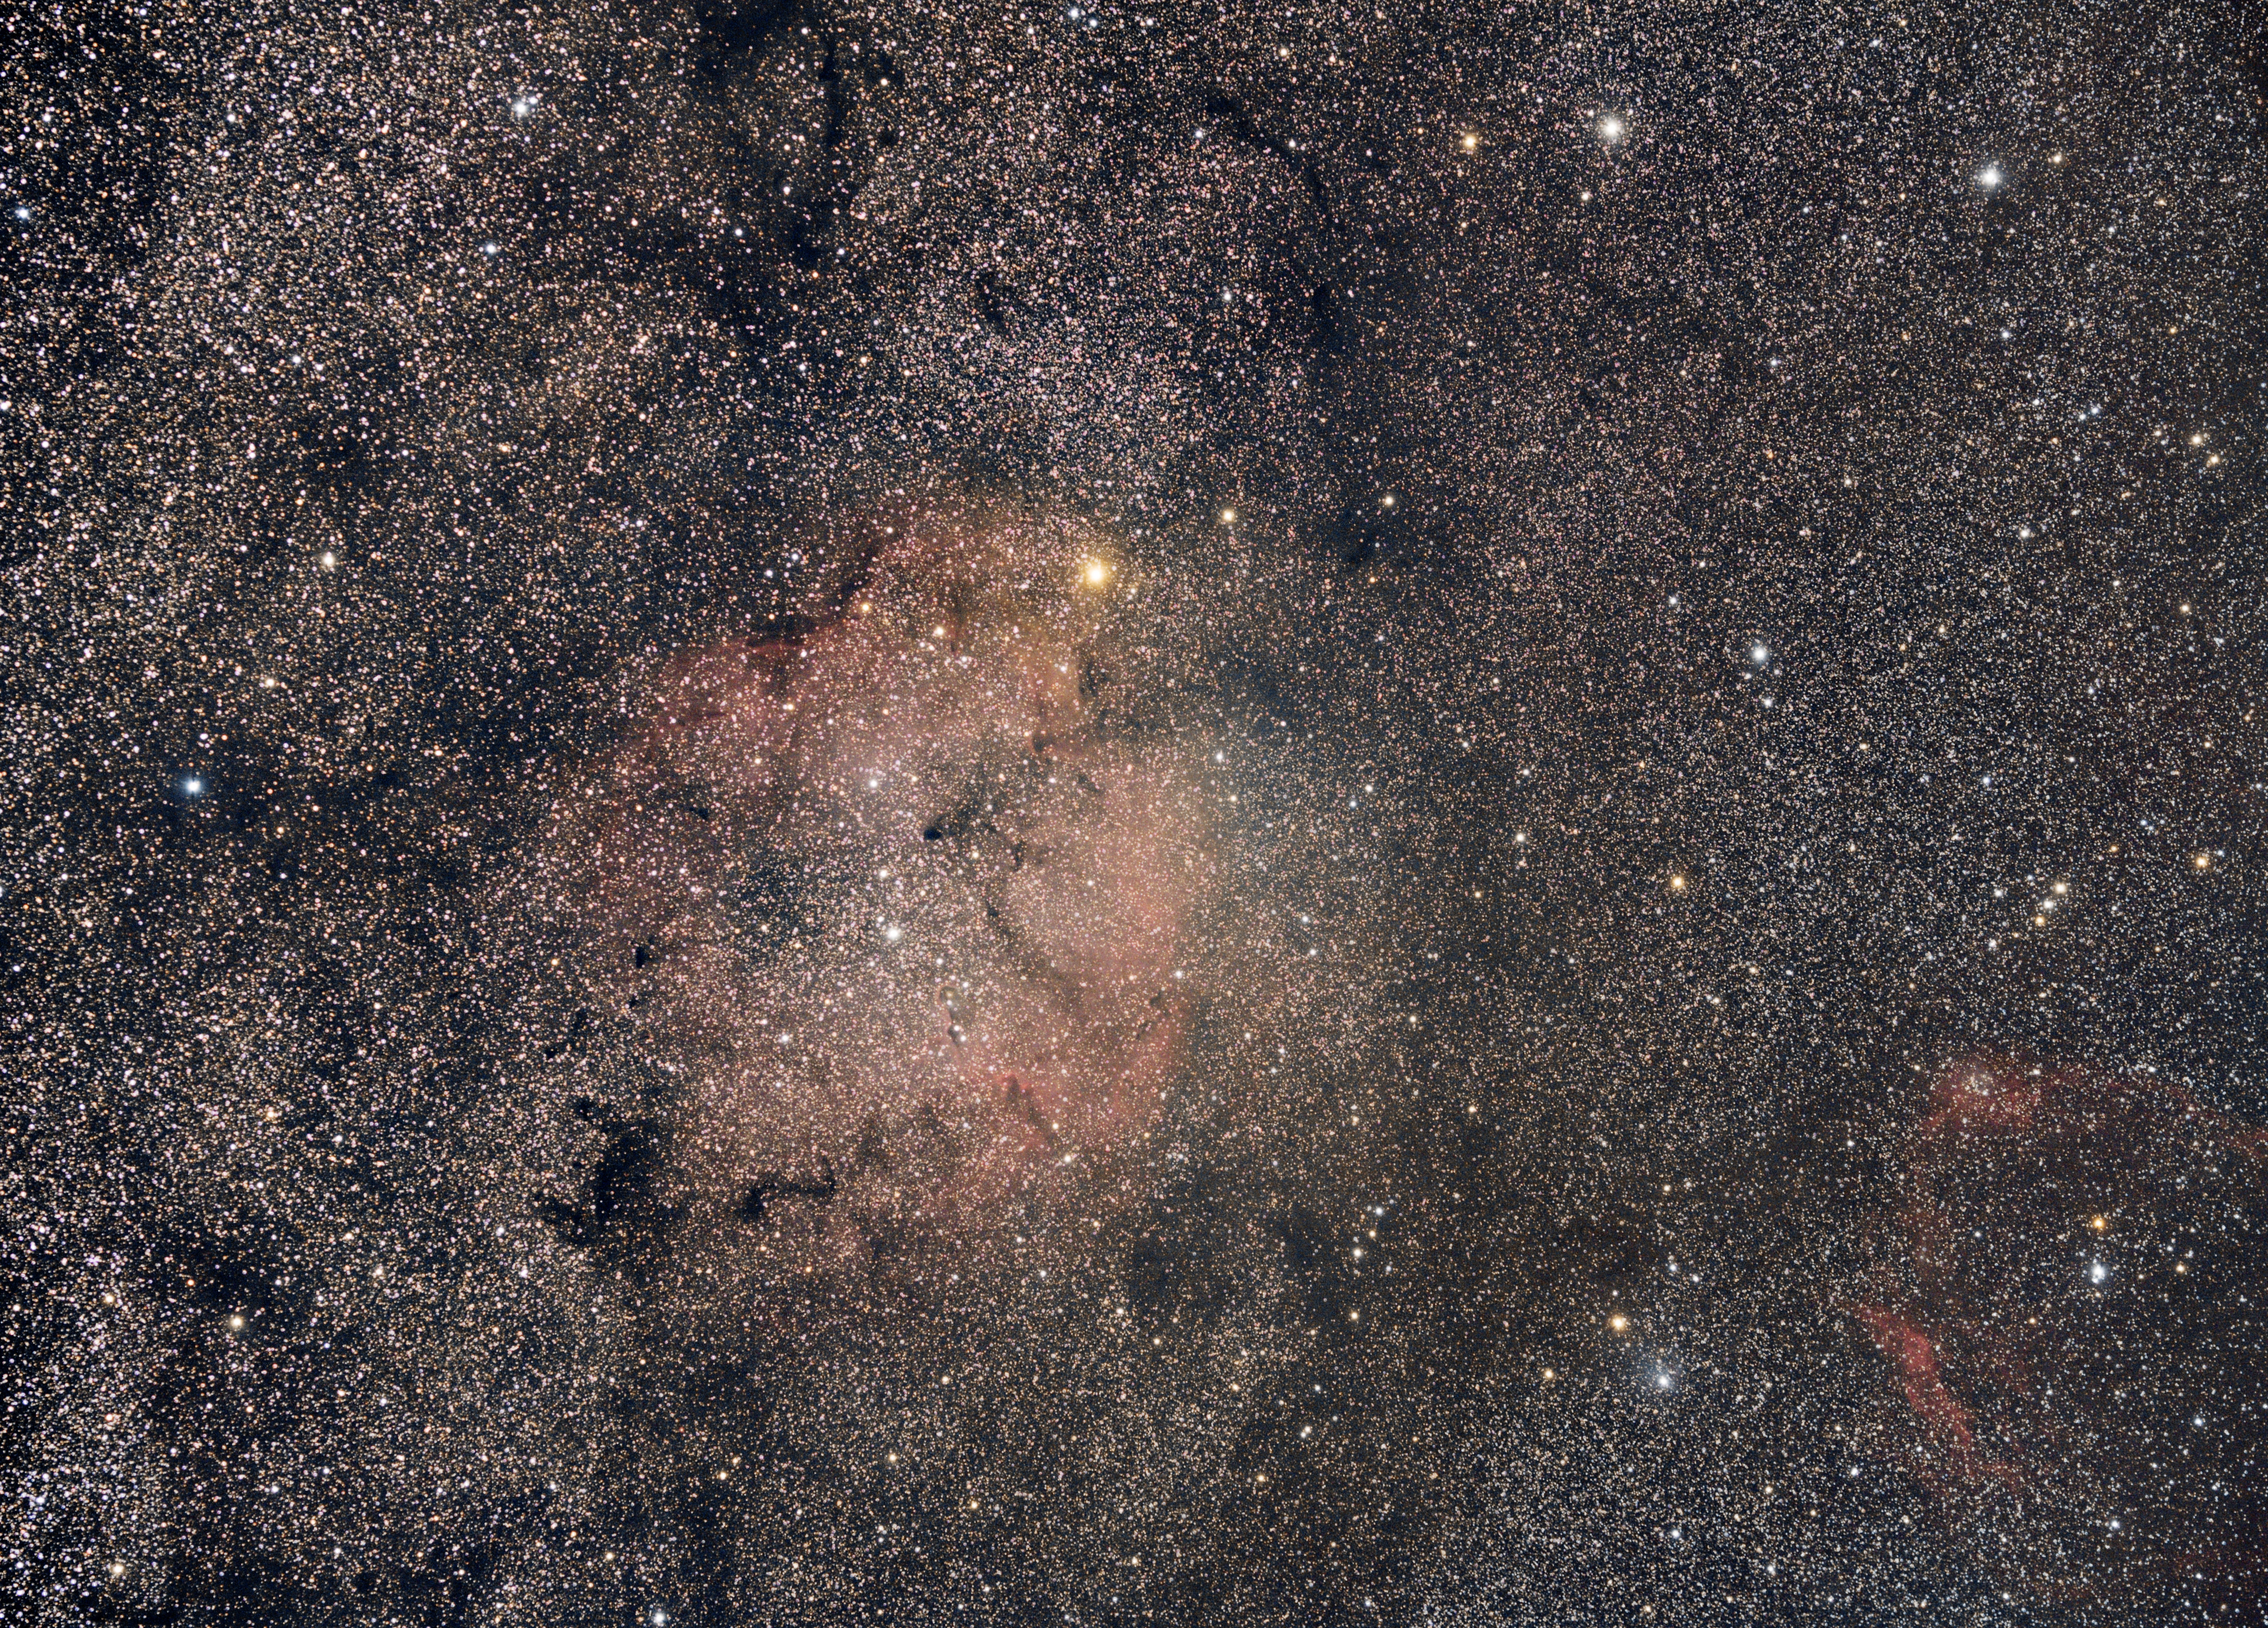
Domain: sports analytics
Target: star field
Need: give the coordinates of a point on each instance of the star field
(1101, 814)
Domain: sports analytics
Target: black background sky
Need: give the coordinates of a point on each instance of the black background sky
(1681, 586)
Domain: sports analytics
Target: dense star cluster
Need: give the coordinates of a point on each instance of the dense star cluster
(1096, 815)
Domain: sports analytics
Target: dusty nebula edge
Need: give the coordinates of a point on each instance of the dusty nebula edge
(1092, 816)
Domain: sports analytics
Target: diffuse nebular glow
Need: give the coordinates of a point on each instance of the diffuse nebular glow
(914, 888)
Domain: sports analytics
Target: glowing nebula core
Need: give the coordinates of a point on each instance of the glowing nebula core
(910, 896)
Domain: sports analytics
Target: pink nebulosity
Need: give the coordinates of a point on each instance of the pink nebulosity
(907, 899)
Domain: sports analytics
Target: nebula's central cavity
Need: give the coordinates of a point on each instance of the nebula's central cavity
(905, 902)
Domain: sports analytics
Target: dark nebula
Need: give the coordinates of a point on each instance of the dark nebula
(1096, 815)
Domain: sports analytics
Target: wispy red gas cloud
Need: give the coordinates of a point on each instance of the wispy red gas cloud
(2065, 1301)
